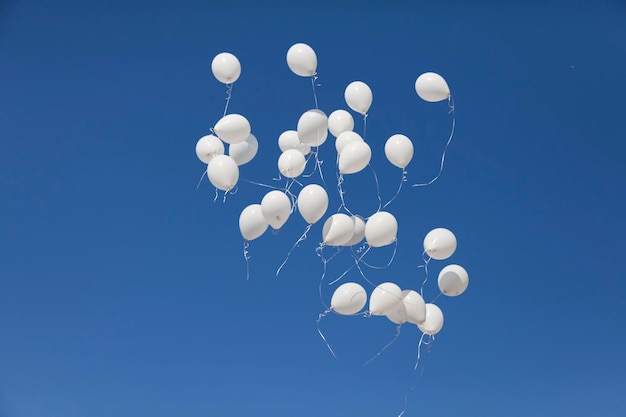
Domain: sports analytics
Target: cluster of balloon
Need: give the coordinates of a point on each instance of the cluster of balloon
(343, 228)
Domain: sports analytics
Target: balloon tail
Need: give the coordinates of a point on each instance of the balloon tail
(246, 256)
(216, 195)
(402, 181)
(431, 339)
(445, 149)
(201, 178)
(395, 337)
(300, 239)
(319, 318)
(229, 94)
(364, 125)
(425, 266)
(313, 79)
(380, 202)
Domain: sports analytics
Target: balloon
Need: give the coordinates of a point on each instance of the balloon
(399, 150)
(312, 203)
(232, 128)
(432, 87)
(453, 280)
(398, 316)
(289, 140)
(276, 208)
(338, 230)
(415, 307)
(359, 231)
(340, 121)
(358, 97)
(381, 229)
(348, 298)
(346, 137)
(434, 320)
(209, 146)
(440, 243)
(223, 172)
(385, 299)
(313, 127)
(291, 163)
(226, 68)
(252, 224)
(302, 60)
(243, 152)
(354, 157)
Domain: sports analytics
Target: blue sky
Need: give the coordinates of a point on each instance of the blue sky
(123, 289)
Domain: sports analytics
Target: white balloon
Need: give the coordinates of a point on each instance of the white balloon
(289, 140)
(385, 299)
(453, 280)
(340, 121)
(313, 127)
(338, 230)
(245, 151)
(302, 60)
(359, 231)
(346, 137)
(354, 157)
(226, 68)
(358, 97)
(276, 208)
(381, 229)
(252, 224)
(232, 128)
(291, 163)
(398, 316)
(415, 307)
(440, 243)
(312, 203)
(208, 147)
(434, 320)
(223, 172)
(399, 150)
(432, 87)
(348, 298)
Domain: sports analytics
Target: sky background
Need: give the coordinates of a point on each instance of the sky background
(123, 289)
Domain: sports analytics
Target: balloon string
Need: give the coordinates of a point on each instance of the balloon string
(380, 201)
(445, 149)
(246, 256)
(320, 252)
(358, 266)
(318, 165)
(319, 318)
(201, 178)
(300, 239)
(402, 181)
(431, 339)
(436, 298)
(364, 125)
(340, 180)
(425, 266)
(356, 261)
(260, 184)
(419, 377)
(393, 256)
(216, 195)
(395, 337)
(229, 94)
(313, 79)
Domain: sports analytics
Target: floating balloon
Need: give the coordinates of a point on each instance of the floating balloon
(223, 172)
(289, 140)
(348, 298)
(434, 320)
(302, 60)
(385, 299)
(432, 87)
(340, 121)
(399, 150)
(252, 224)
(346, 137)
(414, 307)
(226, 68)
(208, 147)
(359, 231)
(232, 128)
(312, 203)
(358, 97)
(276, 208)
(381, 229)
(440, 243)
(338, 230)
(245, 151)
(291, 163)
(453, 280)
(313, 127)
(398, 316)
(354, 157)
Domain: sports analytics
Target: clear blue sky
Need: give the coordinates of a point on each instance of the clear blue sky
(123, 289)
